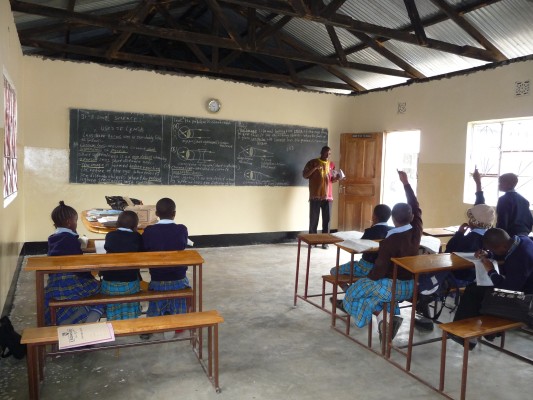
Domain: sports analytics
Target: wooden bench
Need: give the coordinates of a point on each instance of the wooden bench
(471, 328)
(102, 299)
(39, 337)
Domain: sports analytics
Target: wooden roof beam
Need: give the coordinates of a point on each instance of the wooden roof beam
(412, 11)
(165, 62)
(470, 29)
(337, 45)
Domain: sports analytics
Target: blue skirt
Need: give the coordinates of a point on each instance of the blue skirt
(115, 311)
(172, 306)
(69, 287)
(366, 296)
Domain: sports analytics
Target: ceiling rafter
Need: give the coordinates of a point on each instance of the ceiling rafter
(470, 29)
(142, 59)
(412, 12)
(137, 14)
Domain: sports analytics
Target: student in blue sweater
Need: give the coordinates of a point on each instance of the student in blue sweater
(65, 286)
(124, 240)
(166, 235)
(377, 231)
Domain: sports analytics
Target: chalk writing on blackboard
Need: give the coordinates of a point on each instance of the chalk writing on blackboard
(146, 149)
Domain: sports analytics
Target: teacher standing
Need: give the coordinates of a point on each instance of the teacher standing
(321, 174)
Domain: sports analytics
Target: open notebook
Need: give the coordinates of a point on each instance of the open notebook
(482, 277)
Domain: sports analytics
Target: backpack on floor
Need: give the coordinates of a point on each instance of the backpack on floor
(442, 286)
(10, 340)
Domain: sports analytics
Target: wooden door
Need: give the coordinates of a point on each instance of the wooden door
(361, 160)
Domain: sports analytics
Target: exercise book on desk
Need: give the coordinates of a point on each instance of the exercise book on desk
(71, 336)
(360, 245)
(482, 277)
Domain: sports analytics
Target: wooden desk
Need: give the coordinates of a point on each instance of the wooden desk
(114, 261)
(311, 239)
(421, 264)
(97, 227)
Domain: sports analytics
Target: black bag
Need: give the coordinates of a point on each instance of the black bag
(515, 306)
(446, 287)
(10, 340)
(118, 202)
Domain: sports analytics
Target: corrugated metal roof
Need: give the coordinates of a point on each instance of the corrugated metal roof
(508, 25)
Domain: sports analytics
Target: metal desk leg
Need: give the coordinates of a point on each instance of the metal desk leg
(335, 289)
(443, 361)
(307, 270)
(39, 295)
(412, 324)
(465, 368)
(392, 306)
(297, 271)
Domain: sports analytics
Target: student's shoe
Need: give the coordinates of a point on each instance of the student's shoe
(396, 323)
(145, 336)
(471, 343)
(339, 304)
(424, 324)
(490, 338)
(380, 330)
(325, 246)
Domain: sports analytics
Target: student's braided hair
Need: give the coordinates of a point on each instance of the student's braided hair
(62, 213)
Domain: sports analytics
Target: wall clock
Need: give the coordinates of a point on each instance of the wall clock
(213, 105)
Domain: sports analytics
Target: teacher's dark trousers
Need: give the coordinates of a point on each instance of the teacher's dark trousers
(315, 206)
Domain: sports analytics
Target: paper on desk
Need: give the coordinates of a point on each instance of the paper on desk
(190, 242)
(360, 245)
(482, 277)
(108, 219)
(84, 334)
(348, 235)
(430, 243)
(99, 245)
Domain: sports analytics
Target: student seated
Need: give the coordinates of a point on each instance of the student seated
(166, 235)
(69, 286)
(516, 272)
(124, 240)
(480, 218)
(378, 230)
(367, 296)
(514, 215)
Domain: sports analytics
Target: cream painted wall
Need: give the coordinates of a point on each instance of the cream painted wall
(441, 110)
(56, 86)
(12, 216)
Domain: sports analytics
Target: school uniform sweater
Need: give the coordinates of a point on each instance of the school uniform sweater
(120, 241)
(375, 232)
(402, 244)
(514, 215)
(166, 237)
(516, 273)
(66, 244)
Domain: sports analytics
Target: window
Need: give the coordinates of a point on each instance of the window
(495, 148)
(10, 143)
(401, 153)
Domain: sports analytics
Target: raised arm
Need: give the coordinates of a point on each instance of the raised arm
(480, 198)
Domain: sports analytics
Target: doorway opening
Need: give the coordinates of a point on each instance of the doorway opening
(400, 153)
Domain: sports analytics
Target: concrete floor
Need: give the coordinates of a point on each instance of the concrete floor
(268, 348)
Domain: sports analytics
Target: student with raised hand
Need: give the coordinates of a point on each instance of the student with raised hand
(514, 215)
(69, 286)
(166, 235)
(480, 218)
(366, 296)
(124, 240)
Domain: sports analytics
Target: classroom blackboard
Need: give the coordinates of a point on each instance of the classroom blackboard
(147, 149)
